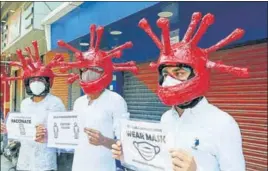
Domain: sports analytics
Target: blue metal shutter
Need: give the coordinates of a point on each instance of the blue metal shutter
(142, 102)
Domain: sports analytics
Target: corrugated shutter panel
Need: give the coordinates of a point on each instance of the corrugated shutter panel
(60, 86)
(243, 98)
(76, 92)
(142, 102)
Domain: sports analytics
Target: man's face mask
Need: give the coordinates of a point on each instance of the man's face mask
(91, 74)
(37, 85)
(175, 75)
(170, 81)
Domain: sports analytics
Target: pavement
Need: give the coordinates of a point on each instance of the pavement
(5, 164)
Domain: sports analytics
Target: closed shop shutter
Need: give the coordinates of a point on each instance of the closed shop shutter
(75, 91)
(60, 87)
(243, 98)
(142, 102)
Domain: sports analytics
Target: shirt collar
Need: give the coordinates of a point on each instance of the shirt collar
(42, 101)
(201, 106)
(91, 101)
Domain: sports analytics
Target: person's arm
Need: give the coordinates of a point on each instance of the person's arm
(108, 142)
(229, 147)
(120, 112)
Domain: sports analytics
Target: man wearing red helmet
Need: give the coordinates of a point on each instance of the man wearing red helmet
(38, 79)
(100, 109)
(206, 138)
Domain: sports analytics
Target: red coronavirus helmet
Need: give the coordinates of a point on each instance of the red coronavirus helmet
(33, 67)
(96, 58)
(187, 52)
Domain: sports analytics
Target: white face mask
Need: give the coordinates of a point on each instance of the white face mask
(90, 75)
(37, 87)
(169, 81)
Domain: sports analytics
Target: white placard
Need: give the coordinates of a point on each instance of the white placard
(21, 126)
(63, 130)
(146, 146)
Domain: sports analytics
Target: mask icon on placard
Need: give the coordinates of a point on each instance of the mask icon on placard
(146, 150)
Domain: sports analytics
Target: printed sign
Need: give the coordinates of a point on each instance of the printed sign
(21, 126)
(145, 146)
(63, 130)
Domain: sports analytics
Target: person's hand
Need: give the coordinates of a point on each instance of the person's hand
(41, 134)
(3, 128)
(94, 137)
(182, 160)
(117, 150)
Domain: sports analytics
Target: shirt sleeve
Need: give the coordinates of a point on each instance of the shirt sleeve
(230, 154)
(119, 112)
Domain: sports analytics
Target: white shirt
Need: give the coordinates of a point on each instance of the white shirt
(34, 156)
(103, 114)
(220, 142)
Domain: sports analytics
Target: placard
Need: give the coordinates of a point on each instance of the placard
(63, 130)
(21, 126)
(146, 146)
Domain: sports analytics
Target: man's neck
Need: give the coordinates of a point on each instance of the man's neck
(179, 110)
(94, 96)
(38, 98)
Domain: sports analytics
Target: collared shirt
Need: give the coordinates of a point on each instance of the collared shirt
(35, 156)
(212, 136)
(102, 114)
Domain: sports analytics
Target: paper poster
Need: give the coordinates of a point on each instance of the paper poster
(145, 146)
(63, 130)
(21, 126)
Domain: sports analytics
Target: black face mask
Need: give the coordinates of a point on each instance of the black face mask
(186, 105)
